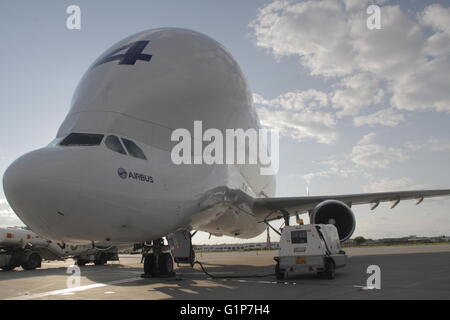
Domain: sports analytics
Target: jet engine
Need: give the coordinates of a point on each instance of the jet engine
(337, 213)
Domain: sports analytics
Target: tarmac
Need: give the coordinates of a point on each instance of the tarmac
(407, 272)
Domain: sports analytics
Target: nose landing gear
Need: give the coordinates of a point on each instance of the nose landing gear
(159, 258)
(158, 261)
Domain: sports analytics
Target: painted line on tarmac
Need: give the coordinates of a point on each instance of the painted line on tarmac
(72, 290)
(256, 281)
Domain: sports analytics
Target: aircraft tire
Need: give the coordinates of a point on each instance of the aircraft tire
(329, 269)
(150, 267)
(33, 261)
(101, 260)
(165, 264)
(278, 273)
(8, 268)
(81, 262)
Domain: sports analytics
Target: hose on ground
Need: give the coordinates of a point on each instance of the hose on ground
(231, 277)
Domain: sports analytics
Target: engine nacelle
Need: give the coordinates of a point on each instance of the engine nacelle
(337, 213)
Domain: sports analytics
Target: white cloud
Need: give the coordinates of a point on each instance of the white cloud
(437, 45)
(339, 171)
(385, 117)
(10, 221)
(368, 138)
(407, 60)
(5, 209)
(436, 17)
(370, 155)
(296, 100)
(306, 124)
(316, 31)
(360, 5)
(6, 213)
(259, 99)
(376, 156)
(414, 146)
(358, 92)
(333, 41)
(331, 162)
(388, 184)
(7, 216)
(337, 168)
(351, 5)
(389, 52)
(432, 144)
(299, 115)
(425, 87)
(393, 184)
(439, 146)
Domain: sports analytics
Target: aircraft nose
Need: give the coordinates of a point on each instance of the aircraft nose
(42, 188)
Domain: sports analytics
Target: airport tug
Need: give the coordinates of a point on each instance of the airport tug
(312, 248)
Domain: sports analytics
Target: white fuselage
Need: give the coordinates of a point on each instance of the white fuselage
(75, 194)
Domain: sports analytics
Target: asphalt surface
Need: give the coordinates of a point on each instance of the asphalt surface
(407, 272)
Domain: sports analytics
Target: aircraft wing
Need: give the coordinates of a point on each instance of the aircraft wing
(272, 208)
(221, 199)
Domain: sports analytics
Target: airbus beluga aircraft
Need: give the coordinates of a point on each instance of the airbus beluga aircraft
(108, 176)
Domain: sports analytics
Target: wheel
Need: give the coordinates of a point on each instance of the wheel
(329, 269)
(278, 272)
(101, 260)
(34, 261)
(81, 262)
(165, 264)
(8, 268)
(150, 264)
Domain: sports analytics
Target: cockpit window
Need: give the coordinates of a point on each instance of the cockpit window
(133, 149)
(113, 143)
(82, 139)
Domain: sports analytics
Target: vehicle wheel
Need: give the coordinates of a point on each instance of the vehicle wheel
(329, 269)
(279, 273)
(150, 264)
(34, 261)
(8, 268)
(165, 264)
(101, 260)
(81, 262)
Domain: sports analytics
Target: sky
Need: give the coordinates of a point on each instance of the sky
(359, 109)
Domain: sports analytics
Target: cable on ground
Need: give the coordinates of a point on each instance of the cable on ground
(231, 277)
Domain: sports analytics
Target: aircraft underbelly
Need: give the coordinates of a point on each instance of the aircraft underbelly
(228, 220)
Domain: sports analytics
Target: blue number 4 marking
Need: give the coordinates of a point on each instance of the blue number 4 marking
(133, 54)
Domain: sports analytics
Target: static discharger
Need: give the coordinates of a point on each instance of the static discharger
(374, 205)
(395, 203)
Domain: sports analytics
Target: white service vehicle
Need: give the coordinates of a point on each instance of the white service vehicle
(22, 247)
(312, 248)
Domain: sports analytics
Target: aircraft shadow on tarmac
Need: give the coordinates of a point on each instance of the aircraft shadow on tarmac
(110, 272)
(403, 276)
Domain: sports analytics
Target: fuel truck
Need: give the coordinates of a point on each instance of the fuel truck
(21, 247)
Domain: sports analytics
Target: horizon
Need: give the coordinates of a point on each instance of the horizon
(351, 119)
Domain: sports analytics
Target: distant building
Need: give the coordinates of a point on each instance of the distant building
(402, 240)
(235, 247)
